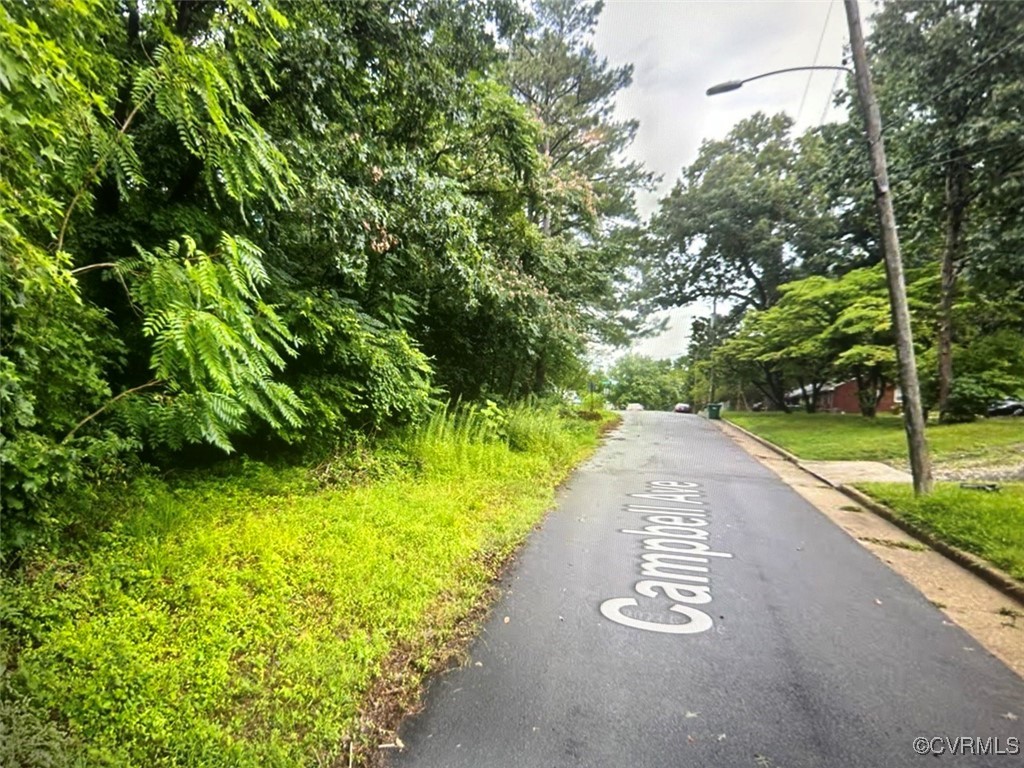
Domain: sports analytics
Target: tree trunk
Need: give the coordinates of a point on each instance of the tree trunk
(540, 375)
(811, 400)
(545, 223)
(866, 395)
(777, 392)
(956, 205)
(815, 394)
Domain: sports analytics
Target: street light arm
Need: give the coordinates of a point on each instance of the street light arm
(732, 85)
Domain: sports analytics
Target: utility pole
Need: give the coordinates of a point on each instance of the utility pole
(711, 353)
(913, 417)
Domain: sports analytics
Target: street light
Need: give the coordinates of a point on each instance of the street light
(920, 461)
(735, 85)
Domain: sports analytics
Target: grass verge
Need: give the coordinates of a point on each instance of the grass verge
(249, 618)
(987, 524)
(837, 437)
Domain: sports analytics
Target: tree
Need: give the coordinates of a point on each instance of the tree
(584, 201)
(655, 384)
(954, 69)
(730, 227)
(821, 330)
(104, 107)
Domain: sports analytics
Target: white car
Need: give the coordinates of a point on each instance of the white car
(634, 407)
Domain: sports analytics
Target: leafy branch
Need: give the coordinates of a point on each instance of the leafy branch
(98, 166)
(106, 406)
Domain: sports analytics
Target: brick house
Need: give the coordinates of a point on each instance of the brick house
(842, 398)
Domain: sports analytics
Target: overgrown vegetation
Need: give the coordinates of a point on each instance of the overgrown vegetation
(293, 229)
(989, 524)
(239, 618)
(256, 225)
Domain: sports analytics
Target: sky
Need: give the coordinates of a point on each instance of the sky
(679, 48)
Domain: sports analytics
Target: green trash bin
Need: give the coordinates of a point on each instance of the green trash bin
(715, 411)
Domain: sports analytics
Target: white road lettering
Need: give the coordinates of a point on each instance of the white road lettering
(698, 620)
(675, 556)
(681, 593)
(691, 520)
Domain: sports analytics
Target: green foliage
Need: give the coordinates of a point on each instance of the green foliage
(71, 348)
(821, 330)
(655, 384)
(168, 280)
(730, 226)
(760, 209)
(30, 739)
(354, 371)
(215, 344)
(583, 200)
(240, 619)
(969, 397)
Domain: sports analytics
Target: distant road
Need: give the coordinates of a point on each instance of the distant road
(684, 607)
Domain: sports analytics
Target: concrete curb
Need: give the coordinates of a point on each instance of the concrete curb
(984, 570)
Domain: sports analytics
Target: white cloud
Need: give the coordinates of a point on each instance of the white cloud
(681, 47)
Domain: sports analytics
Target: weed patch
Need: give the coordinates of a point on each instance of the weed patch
(911, 546)
(263, 617)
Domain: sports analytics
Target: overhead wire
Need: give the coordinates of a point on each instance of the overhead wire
(898, 175)
(896, 121)
(828, 100)
(949, 86)
(817, 52)
(903, 175)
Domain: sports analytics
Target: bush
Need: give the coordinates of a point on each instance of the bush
(969, 397)
(27, 737)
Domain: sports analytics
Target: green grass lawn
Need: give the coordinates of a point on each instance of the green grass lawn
(242, 618)
(832, 437)
(987, 524)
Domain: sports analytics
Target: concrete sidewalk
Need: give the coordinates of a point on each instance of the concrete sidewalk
(846, 472)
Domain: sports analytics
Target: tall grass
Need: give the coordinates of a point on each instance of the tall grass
(460, 433)
(241, 618)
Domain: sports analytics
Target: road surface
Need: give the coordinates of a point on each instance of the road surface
(684, 607)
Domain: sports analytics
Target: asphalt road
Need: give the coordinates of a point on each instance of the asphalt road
(810, 653)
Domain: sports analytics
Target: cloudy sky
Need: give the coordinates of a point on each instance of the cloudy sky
(680, 47)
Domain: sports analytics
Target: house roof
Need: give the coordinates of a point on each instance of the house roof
(830, 386)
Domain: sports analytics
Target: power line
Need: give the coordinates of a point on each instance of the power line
(903, 175)
(828, 101)
(897, 121)
(817, 52)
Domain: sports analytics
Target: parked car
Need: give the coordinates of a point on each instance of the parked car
(683, 408)
(1008, 407)
(634, 407)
